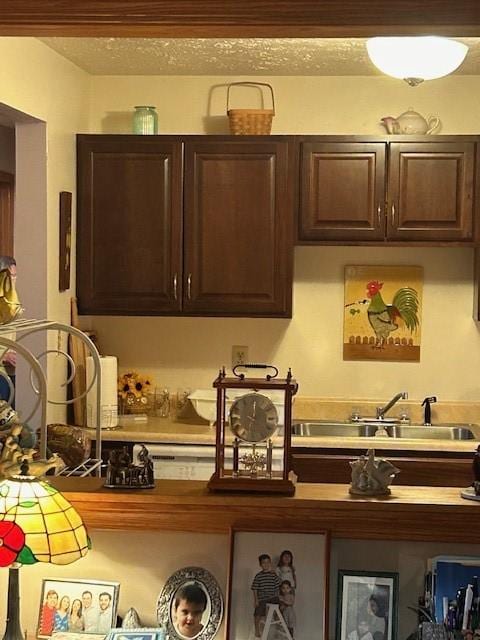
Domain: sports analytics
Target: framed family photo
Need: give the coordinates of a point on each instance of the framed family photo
(77, 607)
(367, 605)
(278, 584)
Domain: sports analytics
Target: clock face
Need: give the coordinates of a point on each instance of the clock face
(253, 418)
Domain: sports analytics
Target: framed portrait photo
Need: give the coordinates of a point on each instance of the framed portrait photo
(190, 605)
(83, 607)
(65, 245)
(278, 584)
(367, 605)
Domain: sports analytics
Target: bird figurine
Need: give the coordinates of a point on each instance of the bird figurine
(383, 318)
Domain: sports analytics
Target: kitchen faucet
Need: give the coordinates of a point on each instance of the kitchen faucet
(381, 411)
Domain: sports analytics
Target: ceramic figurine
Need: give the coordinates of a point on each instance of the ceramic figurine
(10, 421)
(10, 307)
(13, 457)
(371, 476)
(131, 620)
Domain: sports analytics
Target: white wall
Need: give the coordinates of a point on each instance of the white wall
(188, 351)
(47, 88)
(309, 104)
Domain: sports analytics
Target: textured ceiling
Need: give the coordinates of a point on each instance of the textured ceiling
(239, 56)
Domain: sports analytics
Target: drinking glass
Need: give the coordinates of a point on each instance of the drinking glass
(162, 403)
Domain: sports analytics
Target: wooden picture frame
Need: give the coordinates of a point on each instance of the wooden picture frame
(56, 590)
(300, 610)
(367, 605)
(65, 240)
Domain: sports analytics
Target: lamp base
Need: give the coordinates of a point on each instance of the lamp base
(13, 630)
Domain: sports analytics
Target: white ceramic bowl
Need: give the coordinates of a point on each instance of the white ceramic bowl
(205, 402)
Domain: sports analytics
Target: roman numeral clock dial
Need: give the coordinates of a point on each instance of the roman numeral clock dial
(253, 418)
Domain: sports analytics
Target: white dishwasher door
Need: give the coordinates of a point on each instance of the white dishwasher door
(190, 462)
(180, 462)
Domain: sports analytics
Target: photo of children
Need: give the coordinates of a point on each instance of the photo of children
(77, 606)
(287, 593)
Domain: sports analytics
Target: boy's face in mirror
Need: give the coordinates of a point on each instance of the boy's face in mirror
(188, 615)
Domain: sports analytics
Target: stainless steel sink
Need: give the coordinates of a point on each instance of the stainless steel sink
(360, 430)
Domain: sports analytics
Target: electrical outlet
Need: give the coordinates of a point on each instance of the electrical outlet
(239, 355)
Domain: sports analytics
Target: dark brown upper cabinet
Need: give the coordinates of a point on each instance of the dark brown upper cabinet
(238, 231)
(129, 224)
(342, 191)
(430, 191)
(361, 191)
(185, 225)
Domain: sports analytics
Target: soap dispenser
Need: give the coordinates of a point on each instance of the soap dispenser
(427, 418)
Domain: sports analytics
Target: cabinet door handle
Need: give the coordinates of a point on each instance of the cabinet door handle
(379, 215)
(189, 286)
(175, 287)
(393, 214)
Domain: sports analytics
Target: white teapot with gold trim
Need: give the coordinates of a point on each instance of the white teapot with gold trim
(411, 122)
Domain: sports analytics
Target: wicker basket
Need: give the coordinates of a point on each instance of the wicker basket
(247, 122)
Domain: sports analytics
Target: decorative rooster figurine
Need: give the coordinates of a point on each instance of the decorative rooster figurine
(383, 317)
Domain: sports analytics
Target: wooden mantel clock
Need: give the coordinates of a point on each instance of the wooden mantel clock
(252, 451)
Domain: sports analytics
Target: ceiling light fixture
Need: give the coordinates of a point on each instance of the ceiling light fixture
(415, 59)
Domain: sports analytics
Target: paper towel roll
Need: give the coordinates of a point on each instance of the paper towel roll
(108, 393)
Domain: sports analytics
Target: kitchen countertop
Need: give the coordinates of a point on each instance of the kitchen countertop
(169, 431)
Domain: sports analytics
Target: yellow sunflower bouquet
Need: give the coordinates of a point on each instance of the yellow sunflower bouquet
(134, 391)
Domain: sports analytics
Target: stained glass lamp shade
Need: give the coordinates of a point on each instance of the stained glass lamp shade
(37, 524)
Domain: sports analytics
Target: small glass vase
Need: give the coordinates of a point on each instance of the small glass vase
(145, 120)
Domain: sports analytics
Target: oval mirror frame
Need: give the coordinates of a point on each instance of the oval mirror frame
(209, 585)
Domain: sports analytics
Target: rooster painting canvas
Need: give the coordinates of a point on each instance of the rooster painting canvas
(382, 313)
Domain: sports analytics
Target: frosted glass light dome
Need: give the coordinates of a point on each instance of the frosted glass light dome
(416, 58)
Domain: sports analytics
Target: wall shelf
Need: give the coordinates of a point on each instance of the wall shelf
(410, 513)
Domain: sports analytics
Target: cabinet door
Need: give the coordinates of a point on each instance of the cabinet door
(129, 225)
(238, 227)
(342, 193)
(430, 191)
